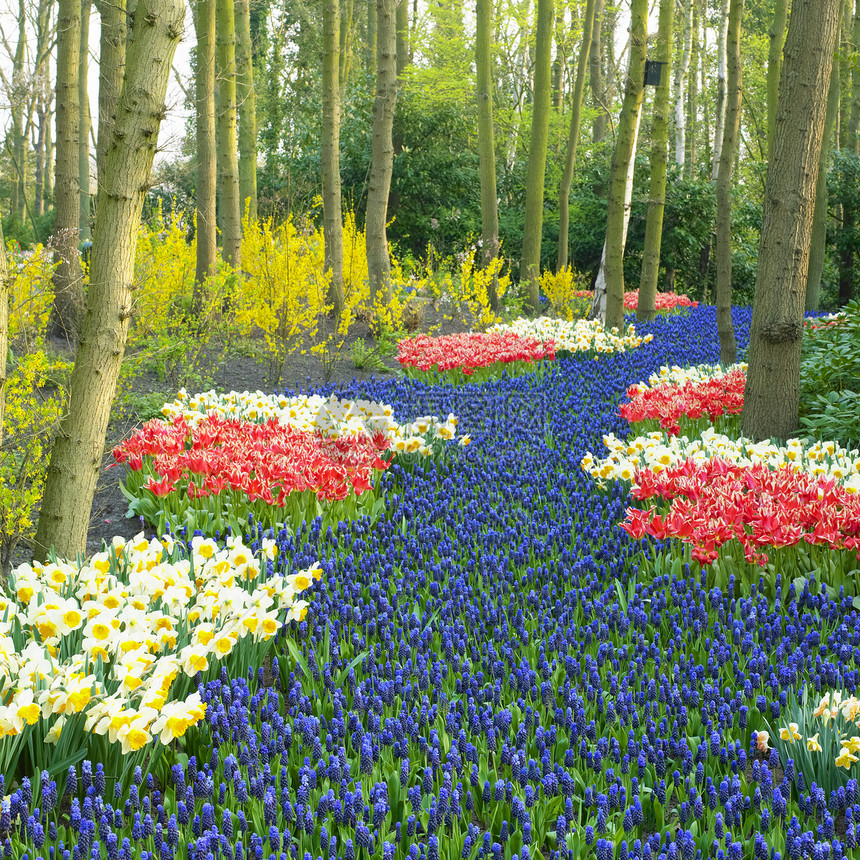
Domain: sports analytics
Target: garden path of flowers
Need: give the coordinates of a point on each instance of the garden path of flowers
(494, 669)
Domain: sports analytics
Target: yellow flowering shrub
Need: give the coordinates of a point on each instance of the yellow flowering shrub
(465, 285)
(561, 289)
(31, 294)
(103, 656)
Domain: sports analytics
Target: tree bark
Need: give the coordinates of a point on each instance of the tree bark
(370, 45)
(734, 91)
(776, 36)
(847, 62)
(77, 453)
(44, 96)
(622, 158)
(330, 153)
(347, 32)
(533, 229)
(207, 159)
(247, 103)
(680, 84)
(486, 142)
(402, 41)
(595, 75)
(720, 112)
(646, 308)
(17, 100)
(111, 68)
(228, 157)
(573, 137)
(84, 128)
(818, 243)
(854, 121)
(68, 284)
(772, 389)
(381, 155)
(693, 97)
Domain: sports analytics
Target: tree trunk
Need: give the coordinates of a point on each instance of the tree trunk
(720, 112)
(646, 309)
(573, 137)
(17, 100)
(347, 31)
(84, 127)
(44, 95)
(776, 36)
(370, 46)
(818, 243)
(207, 160)
(734, 91)
(533, 228)
(381, 156)
(772, 389)
(68, 284)
(680, 85)
(559, 60)
(854, 122)
(847, 62)
(330, 153)
(486, 141)
(77, 453)
(111, 69)
(247, 100)
(228, 158)
(622, 159)
(525, 38)
(595, 75)
(402, 42)
(693, 97)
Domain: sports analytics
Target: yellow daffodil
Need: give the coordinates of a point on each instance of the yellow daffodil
(812, 743)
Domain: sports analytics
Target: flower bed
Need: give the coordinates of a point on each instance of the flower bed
(580, 336)
(663, 301)
(472, 357)
(107, 655)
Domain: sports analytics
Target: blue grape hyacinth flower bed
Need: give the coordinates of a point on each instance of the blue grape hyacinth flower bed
(494, 669)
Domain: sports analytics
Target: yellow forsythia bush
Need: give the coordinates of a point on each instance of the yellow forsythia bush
(31, 294)
(561, 289)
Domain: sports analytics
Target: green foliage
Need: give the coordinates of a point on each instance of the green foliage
(367, 357)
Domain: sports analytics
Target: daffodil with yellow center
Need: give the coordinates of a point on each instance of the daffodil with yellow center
(845, 758)
(812, 743)
(790, 734)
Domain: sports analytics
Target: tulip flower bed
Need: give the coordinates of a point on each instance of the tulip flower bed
(472, 357)
(580, 336)
(664, 302)
(495, 669)
(110, 654)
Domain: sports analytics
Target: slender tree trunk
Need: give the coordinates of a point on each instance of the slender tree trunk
(693, 97)
(720, 113)
(228, 157)
(622, 158)
(776, 37)
(39, 155)
(68, 285)
(17, 100)
(347, 31)
(247, 103)
(847, 62)
(646, 309)
(681, 74)
(854, 122)
(76, 457)
(402, 43)
(370, 46)
(595, 75)
(773, 379)
(330, 153)
(486, 141)
(84, 133)
(207, 159)
(573, 137)
(818, 242)
(111, 70)
(734, 90)
(381, 156)
(559, 60)
(533, 229)
(50, 157)
(524, 59)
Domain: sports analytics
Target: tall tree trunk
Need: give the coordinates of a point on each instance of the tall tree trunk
(68, 285)
(247, 100)
(720, 112)
(734, 91)
(818, 242)
(111, 69)
(773, 379)
(847, 62)
(228, 157)
(681, 74)
(76, 457)
(646, 308)
(776, 36)
(330, 153)
(207, 158)
(595, 75)
(381, 156)
(535, 177)
(693, 97)
(525, 61)
(854, 123)
(402, 42)
(573, 137)
(622, 158)
(17, 99)
(486, 141)
(50, 154)
(347, 33)
(84, 127)
(559, 60)
(370, 45)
